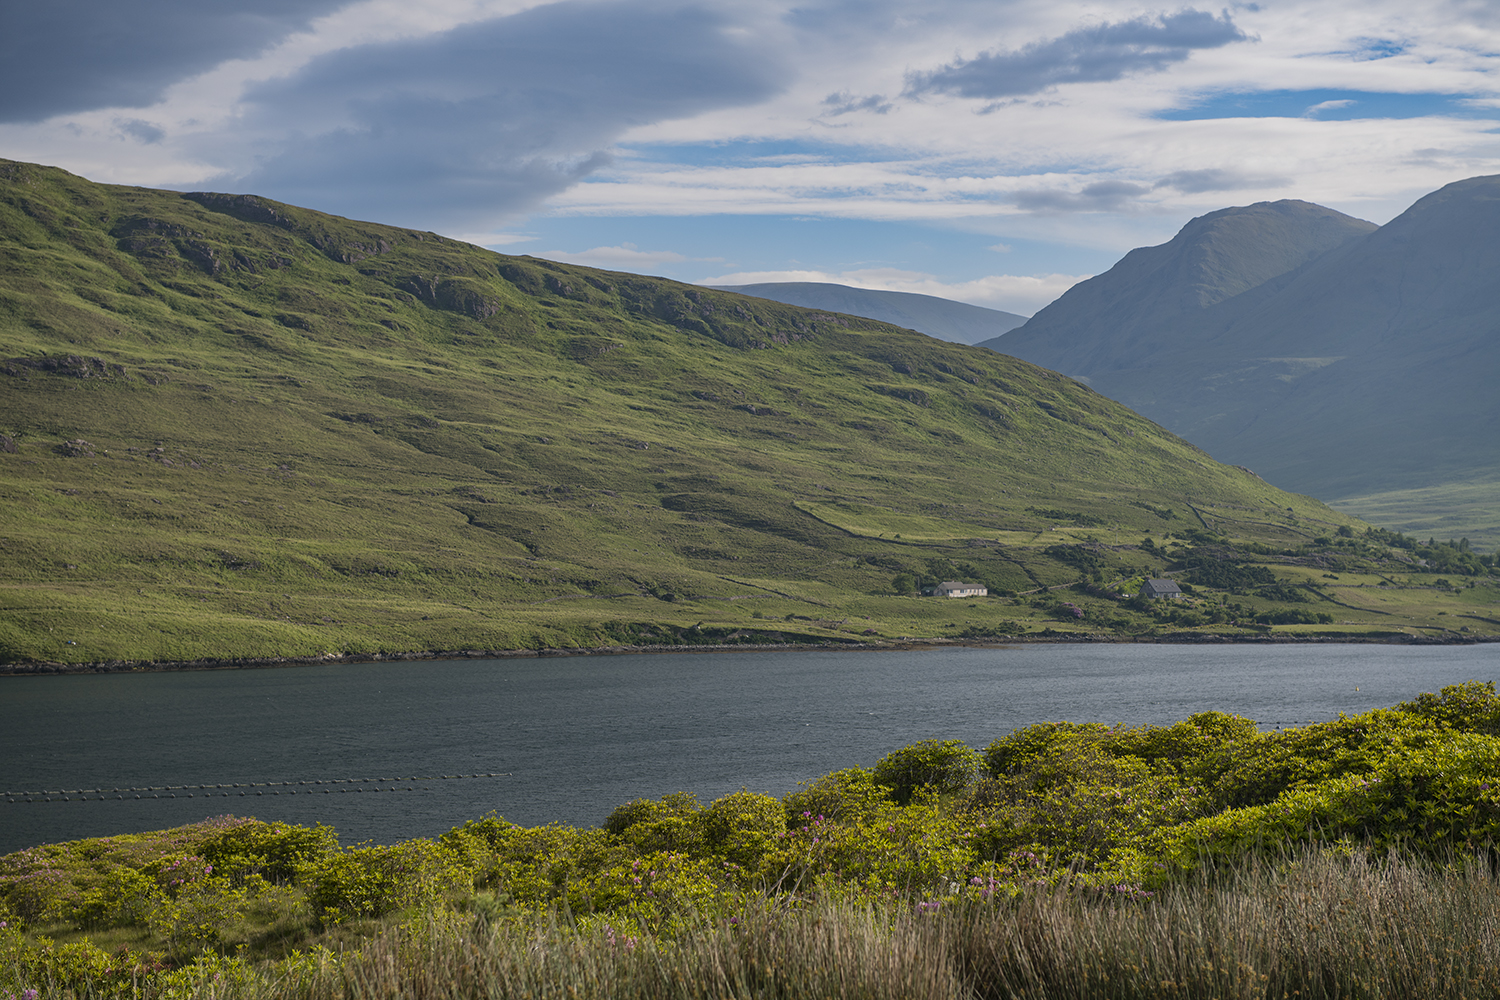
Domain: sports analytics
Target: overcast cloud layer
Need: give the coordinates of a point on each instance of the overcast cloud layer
(990, 151)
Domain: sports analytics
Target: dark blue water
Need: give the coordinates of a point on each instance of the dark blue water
(579, 735)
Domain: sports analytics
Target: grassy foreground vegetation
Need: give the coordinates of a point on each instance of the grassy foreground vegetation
(231, 428)
(1207, 858)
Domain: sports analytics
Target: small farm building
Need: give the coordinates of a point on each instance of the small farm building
(952, 588)
(1161, 588)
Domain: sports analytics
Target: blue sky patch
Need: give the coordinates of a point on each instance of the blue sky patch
(745, 153)
(1379, 48)
(1325, 105)
(784, 242)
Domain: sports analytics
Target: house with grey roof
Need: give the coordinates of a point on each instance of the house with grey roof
(1153, 589)
(952, 588)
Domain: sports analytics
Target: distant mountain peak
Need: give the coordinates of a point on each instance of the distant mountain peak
(1110, 320)
(1235, 249)
(1333, 357)
(945, 319)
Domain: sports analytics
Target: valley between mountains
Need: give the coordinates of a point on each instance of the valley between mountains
(232, 429)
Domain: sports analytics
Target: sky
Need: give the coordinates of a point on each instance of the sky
(990, 151)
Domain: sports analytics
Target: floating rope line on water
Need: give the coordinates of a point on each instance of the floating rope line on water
(240, 788)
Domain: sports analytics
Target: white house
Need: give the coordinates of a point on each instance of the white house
(952, 588)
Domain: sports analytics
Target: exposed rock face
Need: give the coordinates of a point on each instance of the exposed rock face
(252, 209)
(243, 206)
(71, 365)
(75, 449)
(159, 241)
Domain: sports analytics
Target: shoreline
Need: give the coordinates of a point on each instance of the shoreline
(52, 668)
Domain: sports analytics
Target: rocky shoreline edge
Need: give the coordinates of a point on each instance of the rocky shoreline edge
(35, 668)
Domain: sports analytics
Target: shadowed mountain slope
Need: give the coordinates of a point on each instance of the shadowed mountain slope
(231, 426)
(937, 317)
(1364, 376)
(1135, 310)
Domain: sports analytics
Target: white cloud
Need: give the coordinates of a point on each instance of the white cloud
(626, 256)
(1322, 106)
(1017, 293)
(491, 240)
(415, 113)
(1090, 54)
(1157, 175)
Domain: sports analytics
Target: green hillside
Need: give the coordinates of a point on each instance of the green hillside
(234, 428)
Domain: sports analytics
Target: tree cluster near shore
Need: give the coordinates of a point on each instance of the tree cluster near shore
(1087, 822)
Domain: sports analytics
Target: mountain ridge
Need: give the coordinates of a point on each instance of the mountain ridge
(1361, 375)
(1110, 318)
(945, 319)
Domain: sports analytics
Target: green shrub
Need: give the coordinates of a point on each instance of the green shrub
(918, 850)
(536, 866)
(944, 766)
(373, 881)
(659, 891)
(1193, 749)
(277, 852)
(846, 796)
(1257, 771)
(671, 823)
(1020, 750)
(121, 897)
(1471, 706)
(1432, 801)
(742, 827)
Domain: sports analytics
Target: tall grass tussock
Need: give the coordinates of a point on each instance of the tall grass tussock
(1321, 924)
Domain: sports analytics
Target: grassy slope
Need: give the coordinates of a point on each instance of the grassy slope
(305, 434)
(1458, 508)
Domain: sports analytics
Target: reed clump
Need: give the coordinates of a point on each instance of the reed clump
(1324, 924)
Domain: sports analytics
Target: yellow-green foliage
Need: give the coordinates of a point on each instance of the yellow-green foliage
(944, 766)
(1124, 811)
(374, 881)
(743, 827)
